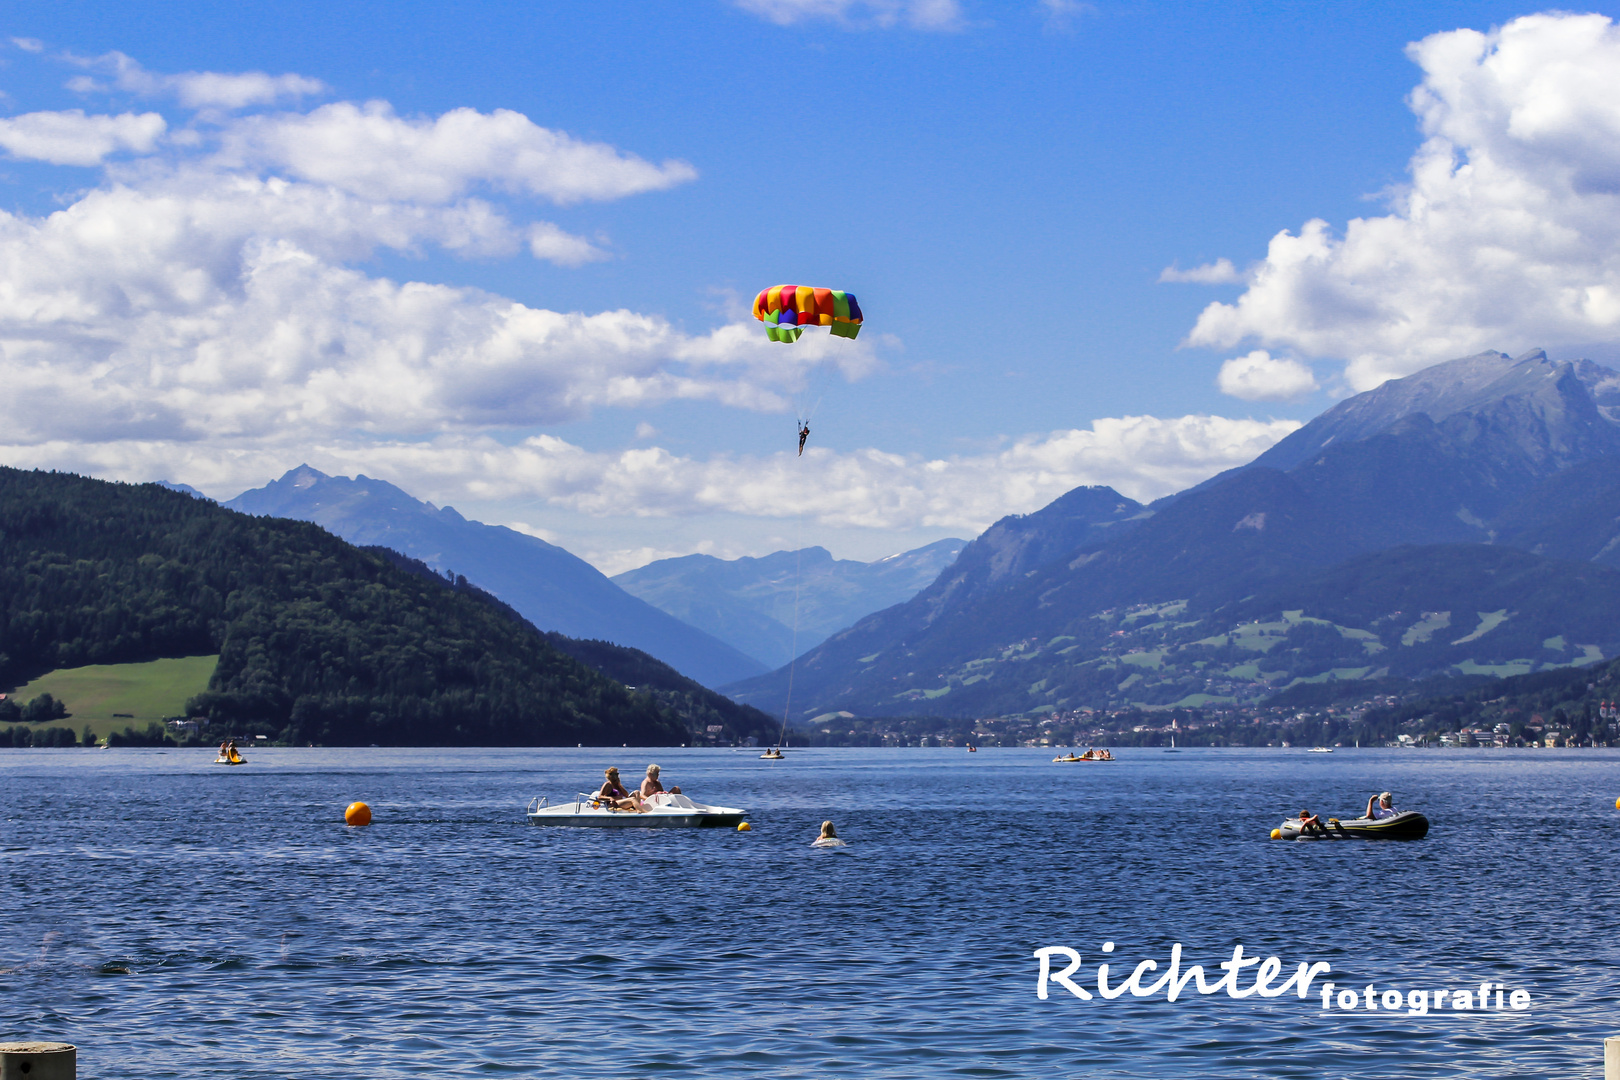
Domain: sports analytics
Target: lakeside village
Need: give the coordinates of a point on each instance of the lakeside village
(1563, 714)
(1375, 721)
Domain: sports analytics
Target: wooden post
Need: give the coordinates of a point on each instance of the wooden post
(38, 1061)
(1611, 1059)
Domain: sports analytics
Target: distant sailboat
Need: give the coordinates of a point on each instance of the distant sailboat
(1171, 749)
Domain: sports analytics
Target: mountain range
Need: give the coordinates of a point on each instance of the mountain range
(779, 605)
(1464, 519)
(552, 588)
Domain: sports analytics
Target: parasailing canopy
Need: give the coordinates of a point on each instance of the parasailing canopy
(787, 309)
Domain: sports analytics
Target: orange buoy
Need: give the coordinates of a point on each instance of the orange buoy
(358, 815)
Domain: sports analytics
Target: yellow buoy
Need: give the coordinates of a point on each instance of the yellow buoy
(358, 814)
(1617, 804)
(745, 827)
(1276, 834)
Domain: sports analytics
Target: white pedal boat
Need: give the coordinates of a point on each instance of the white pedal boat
(664, 811)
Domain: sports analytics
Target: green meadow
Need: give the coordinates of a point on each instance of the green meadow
(137, 693)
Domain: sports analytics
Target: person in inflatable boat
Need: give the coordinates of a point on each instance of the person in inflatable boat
(1381, 806)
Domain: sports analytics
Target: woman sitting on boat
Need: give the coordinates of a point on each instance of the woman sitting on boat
(613, 793)
(651, 786)
(1381, 806)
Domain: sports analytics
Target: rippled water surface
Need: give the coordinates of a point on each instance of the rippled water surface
(179, 919)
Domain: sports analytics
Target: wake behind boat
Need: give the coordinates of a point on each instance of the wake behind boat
(664, 811)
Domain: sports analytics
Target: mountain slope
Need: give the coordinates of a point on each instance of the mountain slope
(318, 641)
(753, 604)
(547, 585)
(1372, 474)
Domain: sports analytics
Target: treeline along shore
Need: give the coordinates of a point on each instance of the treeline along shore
(318, 641)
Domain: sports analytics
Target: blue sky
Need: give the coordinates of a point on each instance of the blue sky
(1003, 186)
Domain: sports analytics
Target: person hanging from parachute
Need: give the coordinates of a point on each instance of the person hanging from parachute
(787, 309)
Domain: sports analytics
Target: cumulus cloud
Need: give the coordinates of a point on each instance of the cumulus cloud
(918, 14)
(28, 44)
(1507, 236)
(72, 138)
(1260, 376)
(1219, 272)
(193, 89)
(201, 325)
(1140, 456)
(211, 293)
(369, 150)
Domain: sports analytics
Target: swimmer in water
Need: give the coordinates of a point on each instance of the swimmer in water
(828, 837)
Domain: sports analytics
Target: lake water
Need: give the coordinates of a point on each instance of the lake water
(179, 919)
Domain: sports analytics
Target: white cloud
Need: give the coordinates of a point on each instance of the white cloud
(28, 44)
(370, 151)
(548, 242)
(618, 560)
(197, 324)
(1061, 15)
(211, 89)
(1140, 456)
(1219, 272)
(204, 295)
(535, 531)
(918, 14)
(194, 89)
(1508, 235)
(1260, 376)
(72, 138)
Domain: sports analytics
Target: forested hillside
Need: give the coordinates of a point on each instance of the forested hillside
(319, 641)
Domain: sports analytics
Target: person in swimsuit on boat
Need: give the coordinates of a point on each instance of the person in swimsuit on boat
(828, 837)
(651, 786)
(614, 794)
(1381, 806)
(1310, 823)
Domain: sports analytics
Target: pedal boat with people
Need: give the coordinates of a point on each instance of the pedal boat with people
(1089, 755)
(663, 811)
(1407, 825)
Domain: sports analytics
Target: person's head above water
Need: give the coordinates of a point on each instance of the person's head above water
(828, 832)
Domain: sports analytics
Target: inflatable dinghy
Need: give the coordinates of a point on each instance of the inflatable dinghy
(1407, 825)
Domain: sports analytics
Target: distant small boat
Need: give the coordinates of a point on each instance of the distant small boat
(973, 749)
(1089, 755)
(237, 760)
(1171, 749)
(1320, 750)
(773, 754)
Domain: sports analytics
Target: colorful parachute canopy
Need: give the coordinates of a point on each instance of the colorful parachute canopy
(787, 309)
